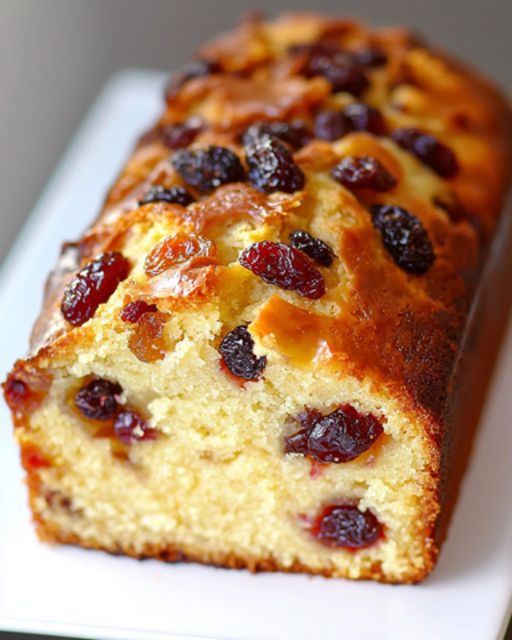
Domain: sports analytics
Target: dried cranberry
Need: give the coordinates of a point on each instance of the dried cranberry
(133, 311)
(331, 125)
(294, 133)
(320, 252)
(207, 169)
(428, 149)
(363, 173)
(346, 526)
(174, 250)
(177, 136)
(284, 266)
(339, 68)
(271, 166)
(93, 286)
(198, 68)
(340, 436)
(237, 351)
(362, 117)
(404, 237)
(129, 427)
(174, 195)
(370, 57)
(98, 400)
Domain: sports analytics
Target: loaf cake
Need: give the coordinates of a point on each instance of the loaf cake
(256, 356)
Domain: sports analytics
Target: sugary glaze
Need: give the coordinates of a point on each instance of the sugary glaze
(381, 339)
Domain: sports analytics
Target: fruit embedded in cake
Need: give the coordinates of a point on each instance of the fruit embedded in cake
(249, 358)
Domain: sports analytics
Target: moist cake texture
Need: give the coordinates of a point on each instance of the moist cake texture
(251, 358)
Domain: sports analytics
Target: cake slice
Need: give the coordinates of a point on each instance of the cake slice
(263, 354)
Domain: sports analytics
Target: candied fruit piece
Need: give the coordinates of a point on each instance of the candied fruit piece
(237, 351)
(363, 173)
(404, 237)
(99, 399)
(33, 458)
(197, 68)
(294, 133)
(284, 266)
(174, 250)
(331, 125)
(345, 526)
(147, 341)
(342, 70)
(207, 169)
(340, 436)
(271, 166)
(92, 286)
(133, 311)
(129, 427)
(174, 195)
(181, 134)
(428, 149)
(316, 249)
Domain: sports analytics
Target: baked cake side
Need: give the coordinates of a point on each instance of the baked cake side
(251, 359)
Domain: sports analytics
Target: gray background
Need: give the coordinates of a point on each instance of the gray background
(56, 54)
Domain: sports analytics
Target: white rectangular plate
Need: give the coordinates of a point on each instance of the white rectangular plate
(64, 590)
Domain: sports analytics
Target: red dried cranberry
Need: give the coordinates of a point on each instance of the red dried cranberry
(362, 117)
(99, 399)
(294, 133)
(404, 237)
(363, 173)
(207, 169)
(370, 57)
(284, 266)
(331, 125)
(339, 68)
(133, 311)
(340, 436)
(198, 68)
(320, 252)
(93, 286)
(237, 351)
(271, 166)
(174, 195)
(177, 136)
(428, 149)
(129, 427)
(346, 526)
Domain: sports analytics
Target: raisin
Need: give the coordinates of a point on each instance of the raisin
(174, 195)
(362, 117)
(99, 399)
(181, 134)
(331, 125)
(294, 133)
(207, 169)
(346, 526)
(284, 266)
(198, 68)
(174, 250)
(363, 173)
(404, 237)
(133, 311)
(271, 166)
(147, 341)
(339, 68)
(93, 286)
(340, 436)
(237, 351)
(17, 394)
(370, 57)
(320, 252)
(428, 149)
(129, 427)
